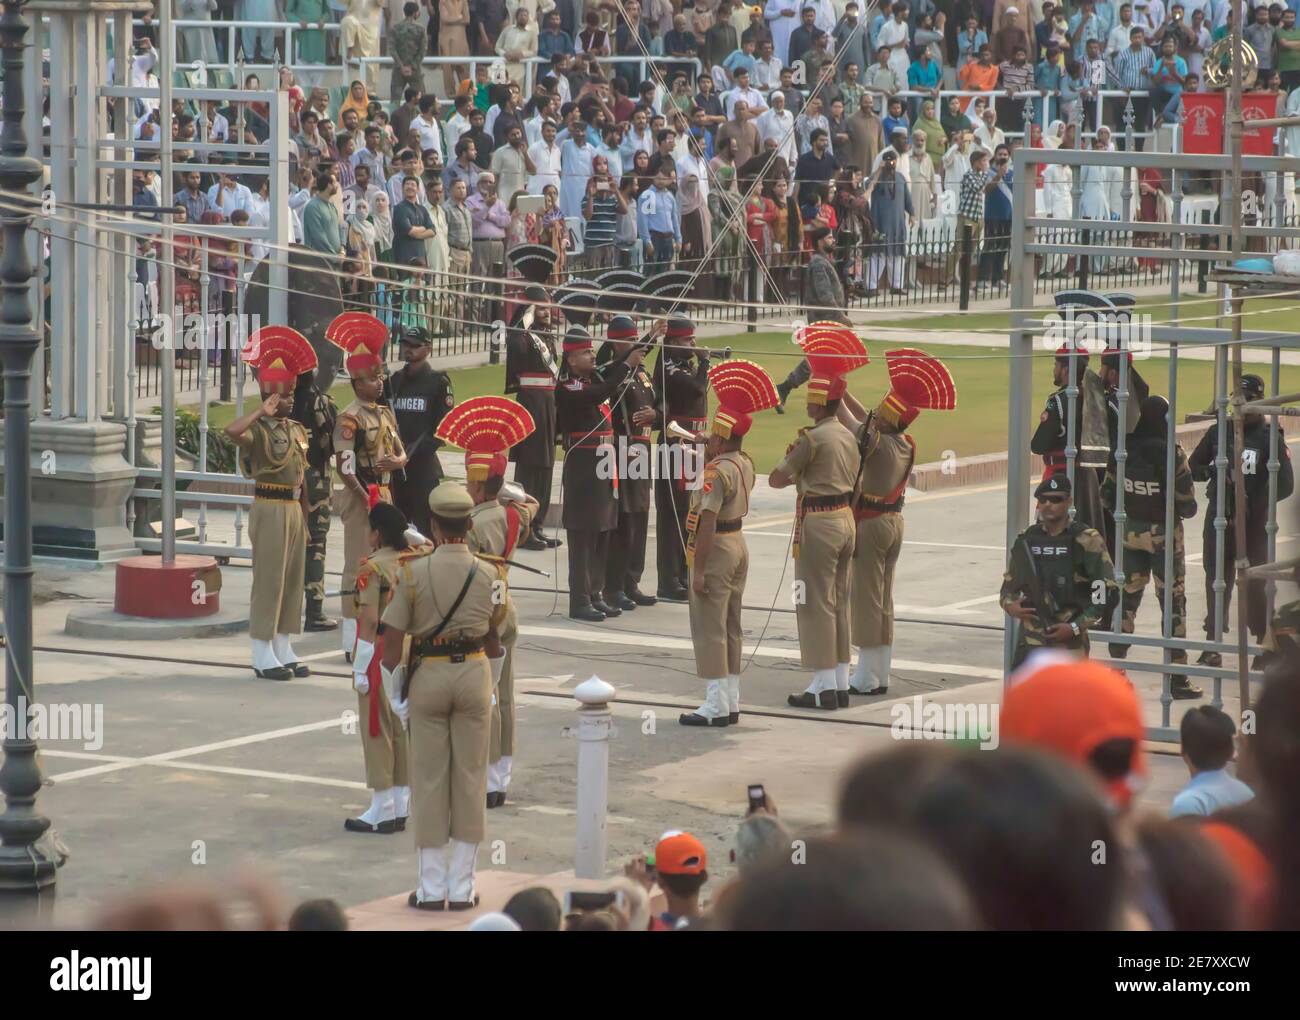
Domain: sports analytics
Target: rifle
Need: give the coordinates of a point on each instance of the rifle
(1033, 583)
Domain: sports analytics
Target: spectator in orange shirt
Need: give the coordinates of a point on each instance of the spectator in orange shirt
(980, 75)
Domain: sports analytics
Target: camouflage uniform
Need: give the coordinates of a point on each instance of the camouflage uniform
(1144, 533)
(1067, 571)
(316, 412)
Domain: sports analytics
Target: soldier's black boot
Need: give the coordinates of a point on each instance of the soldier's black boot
(582, 609)
(598, 603)
(1182, 689)
(1210, 659)
(619, 600)
(640, 598)
(316, 618)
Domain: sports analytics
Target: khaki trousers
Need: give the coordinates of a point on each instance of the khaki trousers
(880, 540)
(451, 715)
(715, 615)
(278, 535)
(351, 508)
(822, 604)
(385, 754)
(501, 743)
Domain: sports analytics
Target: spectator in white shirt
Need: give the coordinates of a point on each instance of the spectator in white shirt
(546, 161)
(457, 124)
(228, 194)
(218, 127)
(638, 137)
(427, 124)
(743, 90)
(298, 198)
(767, 68)
(778, 123)
(988, 135)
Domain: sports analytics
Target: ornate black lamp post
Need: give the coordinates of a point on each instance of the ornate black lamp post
(27, 874)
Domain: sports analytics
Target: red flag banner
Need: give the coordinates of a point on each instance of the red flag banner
(1258, 106)
(1203, 118)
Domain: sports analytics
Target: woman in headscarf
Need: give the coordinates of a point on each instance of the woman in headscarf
(1151, 209)
(935, 134)
(1058, 204)
(360, 245)
(1094, 200)
(724, 200)
(953, 119)
(357, 99)
(553, 232)
(381, 218)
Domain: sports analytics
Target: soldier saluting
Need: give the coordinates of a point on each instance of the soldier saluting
(634, 419)
(420, 397)
(452, 604)
(367, 447)
(273, 453)
(531, 374)
(716, 552)
(823, 463)
(486, 427)
(681, 379)
(1059, 580)
(590, 469)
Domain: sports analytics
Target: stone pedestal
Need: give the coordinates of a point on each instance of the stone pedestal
(80, 485)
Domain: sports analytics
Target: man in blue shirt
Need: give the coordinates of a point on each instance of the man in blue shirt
(1085, 25)
(659, 225)
(1049, 76)
(997, 221)
(1207, 735)
(1167, 79)
(553, 39)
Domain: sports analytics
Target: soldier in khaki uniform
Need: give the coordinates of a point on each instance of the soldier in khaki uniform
(502, 519)
(716, 554)
(367, 447)
(453, 605)
(273, 452)
(917, 382)
(823, 463)
(383, 738)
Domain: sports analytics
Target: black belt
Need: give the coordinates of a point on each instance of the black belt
(284, 493)
(879, 507)
(426, 649)
(723, 527)
(659, 235)
(839, 499)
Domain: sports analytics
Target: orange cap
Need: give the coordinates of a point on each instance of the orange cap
(1072, 708)
(680, 853)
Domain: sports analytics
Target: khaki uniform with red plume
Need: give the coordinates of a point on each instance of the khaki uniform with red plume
(720, 505)
(823, 463)
(917, 382)
(273, 453)
(486, 428)
(364, 434)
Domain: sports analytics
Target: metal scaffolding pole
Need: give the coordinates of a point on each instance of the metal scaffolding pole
(167, 285)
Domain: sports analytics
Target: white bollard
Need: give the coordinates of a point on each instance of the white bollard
(594, 732)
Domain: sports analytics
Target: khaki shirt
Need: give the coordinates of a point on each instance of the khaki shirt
(823, 461)
(489, 533)
(369, 431)
(427, 587)
(278, 454)
(887, 466)
(728, 480)
(377, 575)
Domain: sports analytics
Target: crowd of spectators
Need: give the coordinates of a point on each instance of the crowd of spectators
(714, 136)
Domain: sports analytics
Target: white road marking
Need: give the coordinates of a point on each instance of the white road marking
(956, 606)
(548, 809)
(623, 637)
(337, 652)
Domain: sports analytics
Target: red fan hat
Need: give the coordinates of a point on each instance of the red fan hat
(742, 388)
(279, 354)
(833, 350)
(361, 337)
(917, 382)
(485, 428)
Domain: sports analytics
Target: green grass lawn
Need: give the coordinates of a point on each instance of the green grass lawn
(978, 425)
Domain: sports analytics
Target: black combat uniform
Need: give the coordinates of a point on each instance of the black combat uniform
(316, 412)
(626, 560)
(531, 374)
(420, 399)
(681, 396)
(1254, 464)
(590, 486)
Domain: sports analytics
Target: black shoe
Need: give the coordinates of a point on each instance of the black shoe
(842, 699)
(826, 700)
(495, 798)
(641, 598)
(588, 613)
(414, 901)
(604, 607)
(381, 829)
(550, 543)
(347, 657)
(733, 719)
(1210, 659)
(869, 694)
(620, 601)
(1118, 651)
(299, 669)
(674, 595)
(534, 543)
(401, 823)
(462, 904)
(319, 621)
(1182, 689)
(276, 673)
(694, 719)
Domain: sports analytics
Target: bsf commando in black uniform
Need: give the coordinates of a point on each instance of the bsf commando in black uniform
(590, 477)
(420, 397)
(531, 374)
(681, 380)
(1254, 466)
(634, 421)
(1059, 580)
